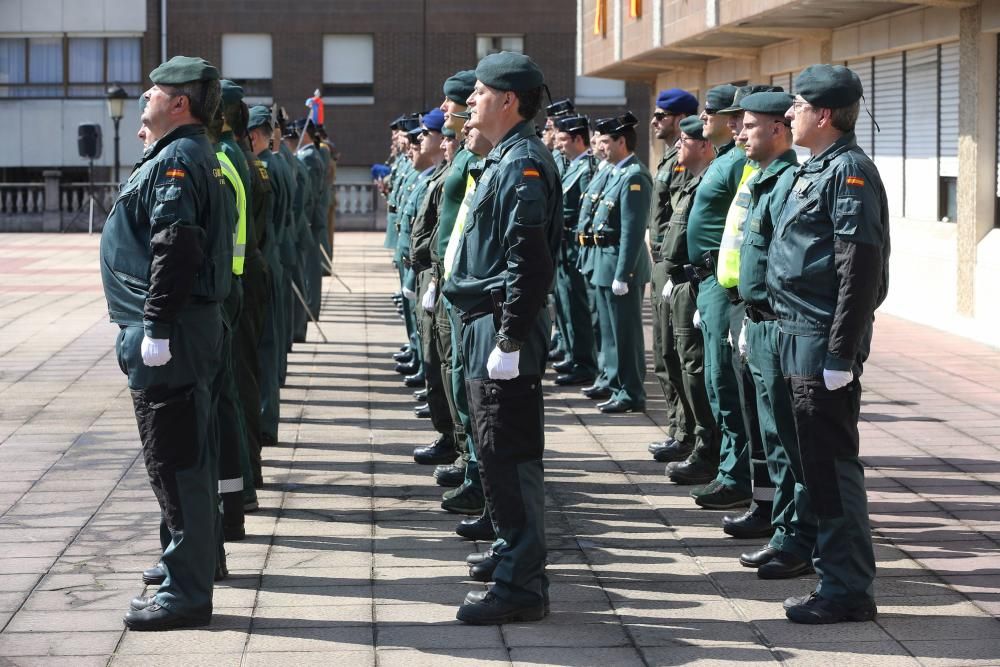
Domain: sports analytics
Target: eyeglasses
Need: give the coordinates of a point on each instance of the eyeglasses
(660, 115)
(799, 105)
(689, 140)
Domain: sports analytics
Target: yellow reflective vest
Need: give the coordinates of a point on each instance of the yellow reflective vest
(240, 233)
(728, 269)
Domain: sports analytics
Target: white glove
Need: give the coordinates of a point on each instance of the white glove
(155, 351)
(696, 320)
(834, 380)
(503, 365)
(429, 296)
(741, 345)
(619, 288)
(667, 290)
(409, 294)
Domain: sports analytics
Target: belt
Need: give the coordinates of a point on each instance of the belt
(392, 208)
(758, 315)
(602, 240)
(586, 240)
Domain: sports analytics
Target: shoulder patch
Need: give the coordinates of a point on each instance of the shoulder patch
(532, 173)
(678, 168)
(856, 181)
(635, 187)
(175, 173)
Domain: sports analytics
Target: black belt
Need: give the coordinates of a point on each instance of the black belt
(758, 315)
(602, 240)
(491, 306)
(585, 240)
(392, 208)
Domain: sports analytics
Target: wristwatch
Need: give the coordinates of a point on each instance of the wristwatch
(507, 345)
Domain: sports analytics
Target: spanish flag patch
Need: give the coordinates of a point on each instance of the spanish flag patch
(856, 181)
(635, 187)
(175, 173)
(678, 168)
(533, 173)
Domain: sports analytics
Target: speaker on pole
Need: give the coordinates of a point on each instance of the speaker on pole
(88, 141)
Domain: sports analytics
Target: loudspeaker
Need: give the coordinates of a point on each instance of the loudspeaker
(88, 140)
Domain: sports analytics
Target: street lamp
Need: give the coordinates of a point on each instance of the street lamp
(116, 97)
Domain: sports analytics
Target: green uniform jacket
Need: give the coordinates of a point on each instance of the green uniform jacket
(168, 238)
(575, 181)
(411, 205)
(426, 221)
(828, 266)
(228, 145)
(589, 202)
(623, 214)
(510, 241)
(769, 188)
(451, 200)
(263, 204)
(402, 172)
(670, 178)
(707, 218)
(280, 203)
(310, 156)
(287, 172)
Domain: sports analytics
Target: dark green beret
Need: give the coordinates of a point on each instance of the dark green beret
(829, 86)
(509, 71)
(259, 115)
(448, 132)
(464, 115)
(460, 85)
(231, 93)
(720, 97)
(744, 91)
(693, 127)
(184, 69)
(142, 103)
(770, 103)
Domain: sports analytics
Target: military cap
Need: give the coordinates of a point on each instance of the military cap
(259, 115)
(772, 103)
(677, 101)
(300, 124)
(415, 134)
(394, 125)
(407, 123)
(460, 85)
(290, 132)
(448, 132)
(693, 127)
(719, 97)
(184, 69)
(829, 86)
(606, 125)
(231, 92)
(572, 123)
(618, 124)
(743, 91)
(509, 71)
(560, 108)
(433, 120)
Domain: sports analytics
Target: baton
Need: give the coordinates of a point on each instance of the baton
(302, 300)
(329, 266)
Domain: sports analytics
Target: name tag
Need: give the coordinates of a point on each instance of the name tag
(743, 200)
(755, 225)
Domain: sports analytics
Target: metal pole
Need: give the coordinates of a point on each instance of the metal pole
(302, 300)
(117, 172)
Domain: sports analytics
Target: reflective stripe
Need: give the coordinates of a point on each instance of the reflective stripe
(240, 234)
(728, 268)
(763, 494)
(231, 485)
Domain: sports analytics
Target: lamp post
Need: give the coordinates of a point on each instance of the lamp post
(116, 97)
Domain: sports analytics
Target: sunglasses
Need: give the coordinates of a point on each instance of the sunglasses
(660, 115)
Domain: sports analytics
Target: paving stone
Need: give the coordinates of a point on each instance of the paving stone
(438, 636)
(64, 642)
(849, 653)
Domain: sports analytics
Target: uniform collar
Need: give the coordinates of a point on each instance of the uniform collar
(787, 159)
(579, 157)
(520, 131)
(172, 136)
(626, 162)
(819, 162)
(725, 149)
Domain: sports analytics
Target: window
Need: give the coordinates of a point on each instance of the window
(487, 44)
(591, 90)
(246, 59)
(35, 67)
(348, 69)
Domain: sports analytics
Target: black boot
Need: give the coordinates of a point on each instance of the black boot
(233, 516)
(441, 450)
(479, 528)
(491, 610)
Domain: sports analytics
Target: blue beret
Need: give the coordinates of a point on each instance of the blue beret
(693, 127)
(380, 171)
(509, 71)
(829, 86)
(460, 85)
(231, 93)
(720, 97)
(433, 120)
(259, 115)
(772, 103)
(184, 69)
(677, 101)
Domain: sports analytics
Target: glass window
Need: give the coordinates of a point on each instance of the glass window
(124, 60)
(487, 44)
(45, 60)
(12, 61)
(246, 56)
(592, 90)
(86, 60)
(349, 69)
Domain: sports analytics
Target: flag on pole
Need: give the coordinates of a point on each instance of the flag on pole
(315, 104)
(601, 18)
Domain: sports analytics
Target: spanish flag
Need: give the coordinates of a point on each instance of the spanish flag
(635, 8)
(601, 18)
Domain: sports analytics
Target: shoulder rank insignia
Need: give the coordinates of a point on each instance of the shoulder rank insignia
(635, 187)
(856, 181)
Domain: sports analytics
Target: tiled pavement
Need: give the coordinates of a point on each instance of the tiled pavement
(352, 561)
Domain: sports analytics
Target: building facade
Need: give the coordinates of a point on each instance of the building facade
(930, 73)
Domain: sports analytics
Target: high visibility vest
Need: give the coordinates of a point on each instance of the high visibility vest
(240, 233)
(728, 269)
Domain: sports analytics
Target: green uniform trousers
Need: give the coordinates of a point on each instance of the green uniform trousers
(314, 271)
(410, 318)
(173, 408)
(437, 401)
(666, 363)
(792, 516)
(234, 457)
(624, 348)
(441, 328)
(246, 361)
(573, 315)
(461, 399)
(724, 384)
(690, 346)
(827, 426)
(269, 355)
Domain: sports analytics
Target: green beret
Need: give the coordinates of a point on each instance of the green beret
(744, 91)
(509, 71)
(829, 86)
(259, 115)
(720, 97)
(693, 127)
(769, 103)
(448, 132)
(464, 115)
(142, 103)
(184, 69)
(460, 85)
(231, 93)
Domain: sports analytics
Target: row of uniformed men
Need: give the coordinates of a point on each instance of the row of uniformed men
(758, 336)
(211, 238)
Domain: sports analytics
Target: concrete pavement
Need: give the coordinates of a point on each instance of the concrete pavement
(350, 558)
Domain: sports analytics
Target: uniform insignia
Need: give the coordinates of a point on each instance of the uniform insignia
(635, 187)
(533, 173)
(856, 181)
(174, 173)
(678, 168)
